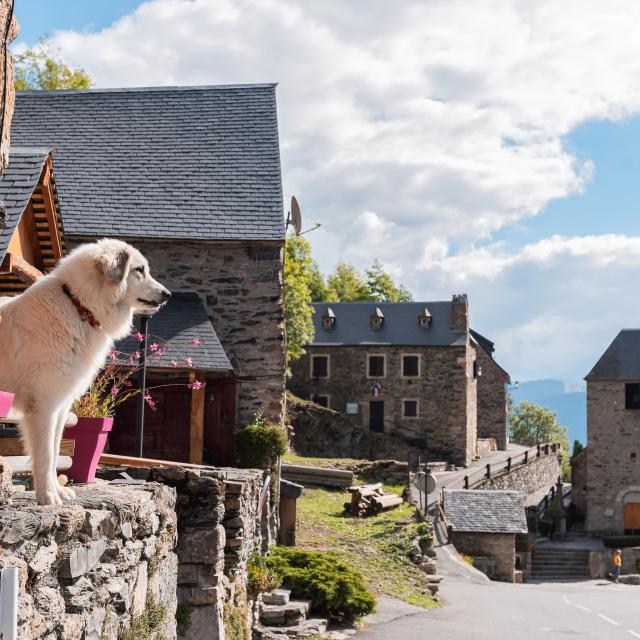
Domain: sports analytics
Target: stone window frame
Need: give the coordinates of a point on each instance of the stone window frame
(384, 365)
(630, 402)
(320, 355)
(415, 355)
(312, 397)
(417, 401)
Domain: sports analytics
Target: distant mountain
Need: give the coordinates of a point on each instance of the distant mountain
(571, 407)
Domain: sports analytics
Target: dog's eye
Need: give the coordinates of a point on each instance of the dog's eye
(140, 270)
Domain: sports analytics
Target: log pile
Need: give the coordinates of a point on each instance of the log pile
(370, 499)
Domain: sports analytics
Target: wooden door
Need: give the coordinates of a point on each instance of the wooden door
(632, 517)
(219, 422)
(376, 416)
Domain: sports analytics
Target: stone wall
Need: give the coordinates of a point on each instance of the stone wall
(7, 109)
(613, 463)
(445, 390)
(579, 465)
(601, 561)
(218, 529)
(93, 567)
(500, 546)
(492, 400)
(240, 286)
(538, 473)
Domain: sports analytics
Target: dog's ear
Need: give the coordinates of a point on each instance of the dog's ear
(114, 263)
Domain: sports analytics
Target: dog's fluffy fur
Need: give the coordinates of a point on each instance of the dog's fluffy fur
(49, 355)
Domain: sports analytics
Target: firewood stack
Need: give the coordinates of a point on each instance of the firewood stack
(370, 499)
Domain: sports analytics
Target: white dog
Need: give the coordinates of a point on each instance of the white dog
(56, 336)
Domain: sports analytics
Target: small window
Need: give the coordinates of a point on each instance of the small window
(376, 366)
(632, 395)
(323, 401)
(319, 366)
(410, 366)
(410, 408)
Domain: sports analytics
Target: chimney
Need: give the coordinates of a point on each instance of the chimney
(460, 313)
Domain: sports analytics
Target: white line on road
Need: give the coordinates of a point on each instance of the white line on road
(580, 606)
(567, 600)
(609, 620)
(633, 633)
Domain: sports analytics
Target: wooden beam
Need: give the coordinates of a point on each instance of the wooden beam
(24, 271)
(13, 447)
(22, 464)
(50, 209)
(129, 461)
(196, 433)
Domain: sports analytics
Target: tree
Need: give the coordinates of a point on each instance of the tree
(577, 448)
(345, 284)
(382, 288)
(298, 312)
(41, 67)
(318, 286)
(530, 423)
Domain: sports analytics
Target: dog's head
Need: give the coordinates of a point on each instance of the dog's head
(127, 270)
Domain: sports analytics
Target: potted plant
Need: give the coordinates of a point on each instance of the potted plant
(6, 400)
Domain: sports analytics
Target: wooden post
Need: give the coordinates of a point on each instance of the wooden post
(196, 434)
(488, 471)
(509, 464)
(466, 482)
(546, 449)
(526, 457)
(538, 450)
(50, 210)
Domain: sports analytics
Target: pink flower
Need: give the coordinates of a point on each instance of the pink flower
(138, 336)
(159, 353)
(130, 359)
(174, 364)
(114, 391)
(189, 362)
(196, 341)
(113, 356)
(136, 355)
(150, 401)
(154, 347)
(196, 385)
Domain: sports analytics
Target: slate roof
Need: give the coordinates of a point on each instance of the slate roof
(479, 511)
(352, 324)
(17, 185)
(485, 343)
(621, 360)
(181, 321)
(200, 163)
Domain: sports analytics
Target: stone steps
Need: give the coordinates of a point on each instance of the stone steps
(306, 629)
(549, 564)
(284, 619)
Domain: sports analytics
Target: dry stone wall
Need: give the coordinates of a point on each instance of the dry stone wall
(96, 566)
(499, 546)
(492, 400)
(540, 472)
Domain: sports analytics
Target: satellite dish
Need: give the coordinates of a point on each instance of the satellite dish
(296, 217)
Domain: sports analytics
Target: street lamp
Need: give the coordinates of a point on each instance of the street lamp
(142, 380)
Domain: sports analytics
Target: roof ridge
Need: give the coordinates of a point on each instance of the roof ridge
(158, 88)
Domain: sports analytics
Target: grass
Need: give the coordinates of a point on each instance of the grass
(328, 463)
(374, 545)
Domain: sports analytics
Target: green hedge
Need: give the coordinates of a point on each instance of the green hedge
(259, 441)
(330, 583)
(615, 542)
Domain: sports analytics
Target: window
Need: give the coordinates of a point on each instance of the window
(410, 408)
(376, 366)
(319, 366)
(323, 401)
(410, 366)
(632, 395)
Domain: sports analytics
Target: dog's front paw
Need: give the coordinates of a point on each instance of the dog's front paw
(66, 493)
(48, 498)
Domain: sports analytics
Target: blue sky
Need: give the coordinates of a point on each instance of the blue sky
(505, 165)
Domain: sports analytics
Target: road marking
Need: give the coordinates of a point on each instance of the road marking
(567, 600)
(633, 633)
(609, 620)
(580, 606)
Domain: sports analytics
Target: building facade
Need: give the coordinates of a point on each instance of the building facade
(191, 177)
(407, 369)
(612, 458)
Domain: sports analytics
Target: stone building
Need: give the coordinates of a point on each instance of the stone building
(483, 524)
(408, 369)
(191, 176)
(612, 458)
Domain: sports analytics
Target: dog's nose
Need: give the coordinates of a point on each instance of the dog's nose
(166, 295)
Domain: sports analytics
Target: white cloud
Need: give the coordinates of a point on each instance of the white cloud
(413, 130)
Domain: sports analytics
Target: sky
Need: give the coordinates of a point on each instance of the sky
(479, 146)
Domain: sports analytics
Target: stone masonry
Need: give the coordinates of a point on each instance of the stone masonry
(446, 422)
(613, 460)
(540, 472)
(95, 566)
(492, 400)
(499, 546)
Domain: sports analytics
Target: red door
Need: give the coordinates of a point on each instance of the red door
(219, 422)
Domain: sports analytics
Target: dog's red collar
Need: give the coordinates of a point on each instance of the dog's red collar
(83, 312)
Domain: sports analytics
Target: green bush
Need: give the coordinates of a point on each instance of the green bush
(322, 577)
(615, 542)
(261, 576)
(235, 622)
(259, 441)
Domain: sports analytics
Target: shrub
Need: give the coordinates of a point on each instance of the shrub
(322, 577)
(261, 576)
(467, 559)
(619, 542)
(259, 441)
(235, 622)
(147, 624)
